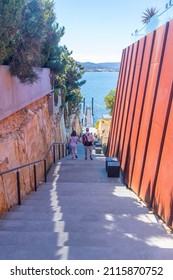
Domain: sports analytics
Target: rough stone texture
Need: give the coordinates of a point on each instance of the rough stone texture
(74, 124)
(25, 137)
(103, 130)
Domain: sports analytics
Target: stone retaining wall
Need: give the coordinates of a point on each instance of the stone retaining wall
(26, 136)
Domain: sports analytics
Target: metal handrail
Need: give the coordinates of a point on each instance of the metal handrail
(34, 165)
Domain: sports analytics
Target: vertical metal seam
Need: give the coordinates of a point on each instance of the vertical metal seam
(120, 100)
(114, 113)
(142, 107)
(125, 96)
(115, 127)
(136, 95)
(128, 109)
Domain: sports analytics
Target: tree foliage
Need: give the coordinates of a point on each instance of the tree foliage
(30, 37)
(10, 18)
(28, 42)
(109, 100)
(69, 81)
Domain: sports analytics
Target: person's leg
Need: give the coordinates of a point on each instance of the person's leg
(75, 152)
(85, 148)
(90, 149)
(72, 152)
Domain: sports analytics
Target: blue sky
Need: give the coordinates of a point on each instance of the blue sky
(98, 30)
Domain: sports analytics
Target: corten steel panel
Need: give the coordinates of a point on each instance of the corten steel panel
(115, 128)
(128, 100)
(125, 152)
(139, 107)
(147, 159)
(124, 94)
(163, 196)
(116, 110)
(119, 98)
(150, 95)
(163, 199)
(155, 132)
(116, 104)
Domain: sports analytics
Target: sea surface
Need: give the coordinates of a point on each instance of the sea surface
(98, 85)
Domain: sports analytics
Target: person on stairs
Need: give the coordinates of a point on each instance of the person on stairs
(73, 144)
(88, 141)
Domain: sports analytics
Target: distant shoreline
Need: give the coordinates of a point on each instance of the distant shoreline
(101, 67)
(102, 70)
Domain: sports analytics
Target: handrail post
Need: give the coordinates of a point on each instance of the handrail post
(66, 149)
(18, 187)
(62, 150)
(59, 151)
(45, 171)
(54, 158)
(35, 178)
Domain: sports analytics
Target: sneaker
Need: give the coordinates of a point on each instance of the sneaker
(91, 158)
(76, 156)
(85, 157)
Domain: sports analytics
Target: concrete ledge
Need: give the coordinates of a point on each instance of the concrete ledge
(98, 150)
(98, 145)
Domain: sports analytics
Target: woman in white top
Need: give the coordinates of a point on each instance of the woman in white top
(73, 144)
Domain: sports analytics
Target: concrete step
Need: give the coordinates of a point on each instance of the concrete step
(87, 208)
(114, 224)
(82, 214)
(89, 172)
(84, 187)
(64, 246)
(77, 239)
(75, 193)
(32, 226)
(32, 216)
(36, 209)
(46, 251)
(32, 238)
(77, 218)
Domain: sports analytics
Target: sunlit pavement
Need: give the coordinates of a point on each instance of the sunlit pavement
(80, 214)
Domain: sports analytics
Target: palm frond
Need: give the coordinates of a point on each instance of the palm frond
(148, 14)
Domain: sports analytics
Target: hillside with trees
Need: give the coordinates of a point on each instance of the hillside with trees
(101, 67)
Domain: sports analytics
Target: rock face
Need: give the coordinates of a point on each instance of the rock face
(74, 124)
(25, 137)
(103, 130)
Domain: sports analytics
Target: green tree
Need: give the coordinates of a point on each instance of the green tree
(28, 42)
(10, 18)
(51, 50)
(69, 81)
(109, 100)
(29, 37)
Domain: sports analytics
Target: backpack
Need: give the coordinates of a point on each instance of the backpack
(85, 140)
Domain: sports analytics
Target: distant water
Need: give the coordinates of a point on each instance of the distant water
(98, 85)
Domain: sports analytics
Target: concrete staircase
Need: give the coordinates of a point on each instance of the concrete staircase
(79, 214)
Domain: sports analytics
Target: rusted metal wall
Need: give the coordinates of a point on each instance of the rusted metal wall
(141, 134)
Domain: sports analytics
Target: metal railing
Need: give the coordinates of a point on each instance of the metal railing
(56, 153)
